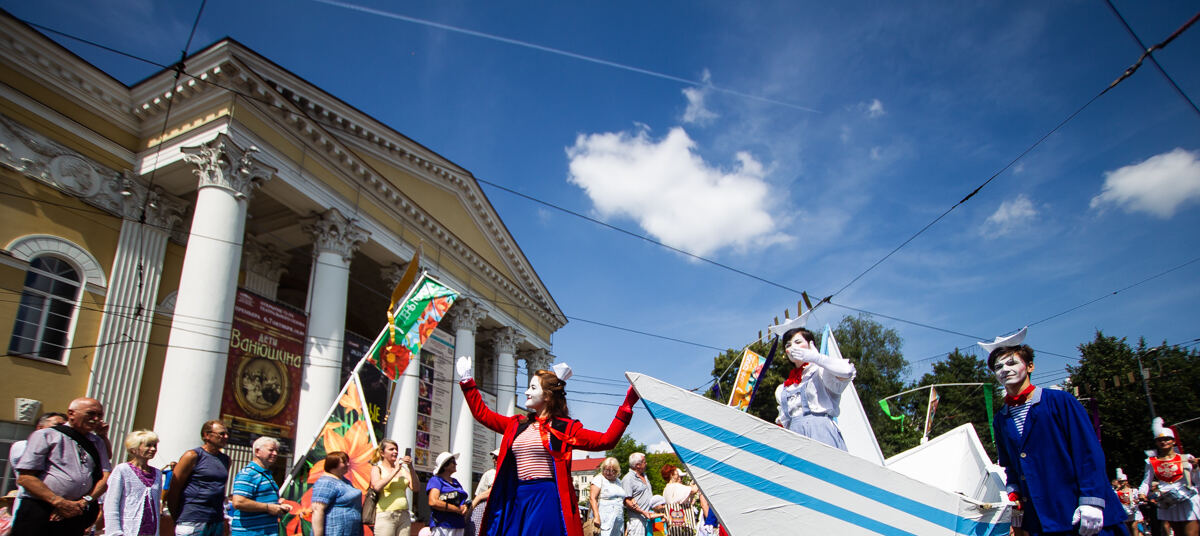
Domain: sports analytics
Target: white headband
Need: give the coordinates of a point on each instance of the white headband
(562, 370)
(1012, 340)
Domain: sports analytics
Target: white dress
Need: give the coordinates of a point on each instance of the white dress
(611, 504)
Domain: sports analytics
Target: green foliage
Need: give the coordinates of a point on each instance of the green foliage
(626, 446)
(959, 404)
(654, 465)
(1103, 375)
(763, 405)
(875, 352)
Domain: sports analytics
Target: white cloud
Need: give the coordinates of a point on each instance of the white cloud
(1157, 185)
(696, 112)
(875, 109)
(673, 193)
(659, 448)
(1010, 216)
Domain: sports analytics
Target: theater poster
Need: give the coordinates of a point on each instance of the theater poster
(262, 378)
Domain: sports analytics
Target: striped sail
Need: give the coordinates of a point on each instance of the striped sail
(763, 479)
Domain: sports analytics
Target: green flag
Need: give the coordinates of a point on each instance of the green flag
(888, 411)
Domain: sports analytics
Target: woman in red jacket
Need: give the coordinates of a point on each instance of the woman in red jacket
(532, 494)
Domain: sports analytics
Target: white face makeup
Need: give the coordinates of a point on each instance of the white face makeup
(1010, 370)
(534, 397)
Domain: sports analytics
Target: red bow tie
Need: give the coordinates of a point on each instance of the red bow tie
(795, 376)
(1019, 398)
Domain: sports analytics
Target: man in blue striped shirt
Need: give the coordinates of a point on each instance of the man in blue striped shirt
(256, 507)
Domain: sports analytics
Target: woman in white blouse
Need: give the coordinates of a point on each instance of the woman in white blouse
(607, 498)
(131, 504)
(810, 397)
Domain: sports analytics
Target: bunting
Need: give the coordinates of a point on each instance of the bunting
(929, 413)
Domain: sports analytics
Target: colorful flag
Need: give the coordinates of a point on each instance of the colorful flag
(746, 380)
(348, 429)
(933, 404)
(410, 326)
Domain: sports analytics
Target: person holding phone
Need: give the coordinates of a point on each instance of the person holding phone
(390, 478)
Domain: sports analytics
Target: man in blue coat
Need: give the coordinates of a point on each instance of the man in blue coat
(1049, 452)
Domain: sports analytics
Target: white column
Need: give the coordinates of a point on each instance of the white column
(505, 341)
(263, 265)
(535, 360)
(467, 315)
(194, 371)
(402, 416)
(335, 240)
(129, 305)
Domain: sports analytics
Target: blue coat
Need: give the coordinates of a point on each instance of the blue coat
(1057, 465)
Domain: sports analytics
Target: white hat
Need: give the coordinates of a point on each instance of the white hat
(442, 459)
(1012, 340)
(496, 453)
(1159, 430)
(798, 322)
(1121, 474)
(562, 370)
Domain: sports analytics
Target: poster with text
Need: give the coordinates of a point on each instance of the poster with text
(435, 379)
(262, 377)
(485, 440)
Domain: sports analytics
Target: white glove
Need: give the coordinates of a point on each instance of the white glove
(463, 366)
(839, 367)
(1089, 518)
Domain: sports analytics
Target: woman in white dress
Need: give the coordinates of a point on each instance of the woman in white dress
(1178, 501)
(810, 397)
(607, 499)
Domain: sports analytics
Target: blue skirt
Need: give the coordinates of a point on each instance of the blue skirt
(534, 512)
(818, 427)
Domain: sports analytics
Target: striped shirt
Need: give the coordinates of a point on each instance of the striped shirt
(533, 462)
(1018, 416)
(257, 484)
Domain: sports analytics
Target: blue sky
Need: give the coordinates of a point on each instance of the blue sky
(815, 138)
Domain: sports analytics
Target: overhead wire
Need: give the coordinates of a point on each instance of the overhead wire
(1149, 52)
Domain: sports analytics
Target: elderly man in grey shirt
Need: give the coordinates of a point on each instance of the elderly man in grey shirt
(637, 496)
(63, 470)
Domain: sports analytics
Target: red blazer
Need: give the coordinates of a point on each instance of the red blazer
(571, 434)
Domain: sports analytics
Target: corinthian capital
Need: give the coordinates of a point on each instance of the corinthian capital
(535, 360)
(264, 259)
(505, 340)
(222, 164)
(331, 231)
(467, 314)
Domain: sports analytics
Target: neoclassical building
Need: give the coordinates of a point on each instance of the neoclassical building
(150, 231)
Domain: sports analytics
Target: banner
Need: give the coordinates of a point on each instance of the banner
(415, 319)
(348, 429)
(434, 396)
(933, 404)
(263, 375)
(376, 387)
(747, 378)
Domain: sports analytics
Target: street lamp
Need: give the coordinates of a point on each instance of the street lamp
(1146, 384)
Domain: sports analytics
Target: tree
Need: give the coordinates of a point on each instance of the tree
(961, 404)
(654, 465)
(875, 352)
(1108, 374)
(763, 405)
(625, 446)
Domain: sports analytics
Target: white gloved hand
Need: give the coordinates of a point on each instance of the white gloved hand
(463, 366)
(1089, 518)
(839, 367)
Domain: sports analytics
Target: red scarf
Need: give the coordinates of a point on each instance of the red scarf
(1019, 398)
(795, 376)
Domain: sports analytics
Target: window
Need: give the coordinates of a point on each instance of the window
(48, 301)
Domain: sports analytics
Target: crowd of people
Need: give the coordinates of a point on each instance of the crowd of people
(1053, 463)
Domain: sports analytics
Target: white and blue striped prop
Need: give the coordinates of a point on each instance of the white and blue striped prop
(764, 479)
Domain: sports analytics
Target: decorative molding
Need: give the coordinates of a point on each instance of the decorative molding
(466, 315)
(222, 164)
(334, 232)
(118, 193)
(264, 259)
(535, 360)
(505, 340)
(29, 246)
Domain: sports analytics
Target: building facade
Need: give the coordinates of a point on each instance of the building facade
(152, 233)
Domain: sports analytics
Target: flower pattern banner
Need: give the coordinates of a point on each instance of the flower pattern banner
(348, 430)
(417, 315)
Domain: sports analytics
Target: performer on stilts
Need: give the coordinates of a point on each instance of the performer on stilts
(1049, 451)
(810, 397)
(532, 494)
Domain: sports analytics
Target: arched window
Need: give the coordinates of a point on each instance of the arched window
(48, 302)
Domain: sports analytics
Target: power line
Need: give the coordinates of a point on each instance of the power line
(1148, 52)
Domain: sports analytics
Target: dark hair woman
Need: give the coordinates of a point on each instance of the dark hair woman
(810, 397)
(1178, 502)
(532, 494)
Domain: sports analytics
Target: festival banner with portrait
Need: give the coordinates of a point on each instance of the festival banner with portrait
(263, 375)
(747, 378)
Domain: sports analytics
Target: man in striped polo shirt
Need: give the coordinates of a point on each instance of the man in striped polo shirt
(256, 507)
